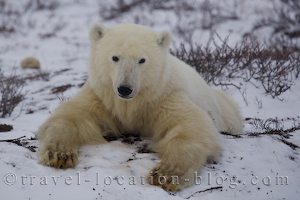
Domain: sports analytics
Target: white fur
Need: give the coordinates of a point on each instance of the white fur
(169, 102)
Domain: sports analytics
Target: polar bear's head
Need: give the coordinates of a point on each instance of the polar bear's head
(128, 59)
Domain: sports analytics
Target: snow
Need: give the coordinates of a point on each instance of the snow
(249, 168)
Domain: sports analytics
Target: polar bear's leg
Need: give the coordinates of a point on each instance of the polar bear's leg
(79, 121)
(185, 137)
(230, 113)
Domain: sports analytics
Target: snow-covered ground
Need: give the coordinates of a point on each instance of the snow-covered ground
(251, 167)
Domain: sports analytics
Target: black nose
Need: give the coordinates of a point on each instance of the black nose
(124, 90)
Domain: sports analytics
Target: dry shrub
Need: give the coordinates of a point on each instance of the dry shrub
(120, 7)
(12, 14)
(273, 68)
(284, 19)
(283, 128)
(10, 93)
(42, 5)
(214, 14)
(191, 16)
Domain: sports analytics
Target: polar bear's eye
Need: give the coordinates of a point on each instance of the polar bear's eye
(141, 61)
(115, 58)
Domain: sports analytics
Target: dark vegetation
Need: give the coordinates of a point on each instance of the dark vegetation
(284, 19)
(5, 127)
(13, 20)
(265, 66)
(10, 93)
(281, 128)
(23, 142)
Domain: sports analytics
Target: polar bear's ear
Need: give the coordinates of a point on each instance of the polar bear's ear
(97, 32)
(164, 39)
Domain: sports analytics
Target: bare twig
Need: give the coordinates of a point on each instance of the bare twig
(21, 142)
(206, 190)
(290, 144)
(12, 140)
(235, 136)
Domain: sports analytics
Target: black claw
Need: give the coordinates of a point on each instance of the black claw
(50, 155)
(65, 157)
(72, 158)
(155, 174)
(169, 180)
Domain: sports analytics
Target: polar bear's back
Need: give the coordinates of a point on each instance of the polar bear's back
(222, 109)
(190, 82)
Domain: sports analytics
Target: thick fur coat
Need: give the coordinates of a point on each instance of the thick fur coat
(136, 85)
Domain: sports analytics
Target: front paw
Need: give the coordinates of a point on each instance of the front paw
(58, 156)
(170, 180)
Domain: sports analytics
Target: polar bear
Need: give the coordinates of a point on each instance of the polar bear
(136, 85)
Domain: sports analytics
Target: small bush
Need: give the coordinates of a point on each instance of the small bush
(11, 14)
(120, 7)
(191, 16)
(248, 61)
(213, 14)
(284, 19)
(10, 93)
(273, 126)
